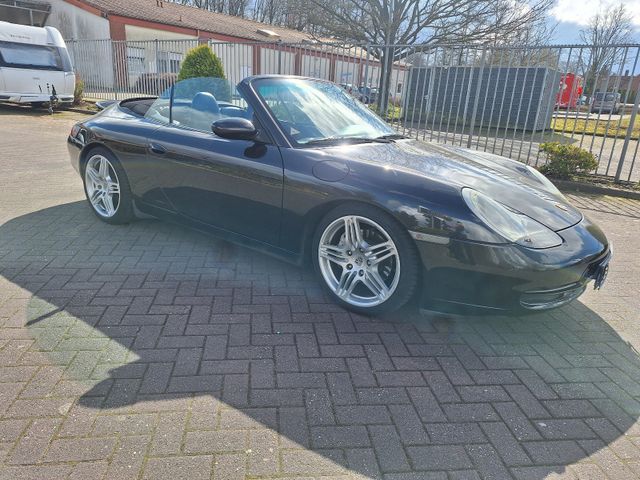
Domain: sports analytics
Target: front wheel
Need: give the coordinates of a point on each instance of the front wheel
(365, 260)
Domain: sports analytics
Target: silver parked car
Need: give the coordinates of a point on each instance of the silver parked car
(606, 102)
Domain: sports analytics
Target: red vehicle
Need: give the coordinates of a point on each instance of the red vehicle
(570, 91)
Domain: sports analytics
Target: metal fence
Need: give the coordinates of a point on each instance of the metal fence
(502, 100)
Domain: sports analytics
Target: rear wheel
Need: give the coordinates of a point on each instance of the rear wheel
(365, 259)
(107, 188)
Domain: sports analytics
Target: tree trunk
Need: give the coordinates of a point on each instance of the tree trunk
(384, 82)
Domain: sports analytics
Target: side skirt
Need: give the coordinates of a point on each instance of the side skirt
(144, 210)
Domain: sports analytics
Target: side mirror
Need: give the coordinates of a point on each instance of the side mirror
(234, 128)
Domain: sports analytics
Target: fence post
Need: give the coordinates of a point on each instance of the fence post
(474, 112)
(627, 138)
(113, 47)
(366, 67)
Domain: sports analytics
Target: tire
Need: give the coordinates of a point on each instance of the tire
(121, 210)
(387, 254)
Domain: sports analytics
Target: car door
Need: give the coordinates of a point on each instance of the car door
(235, 185)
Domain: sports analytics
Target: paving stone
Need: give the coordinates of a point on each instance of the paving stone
(456, 433)
(127, 460)
(382, 396)
(521, 427)
(79, 450)
(556, 429)
(439, 457)
(554, 452)
(33, 444)
(470, 412)
(487, 462)
(363, 460)
(317, 462)
(36, 472)
(486, 393)
(263, 456)
(206, 441)
(389, 449)
(230, 466)
(506, 445)
(362, 415)
(167, 437)
(179, 468)
(339, 436)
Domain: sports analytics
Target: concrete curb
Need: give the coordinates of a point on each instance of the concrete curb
(572, 186)
(80, 110)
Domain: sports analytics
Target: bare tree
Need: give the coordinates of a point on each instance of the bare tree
(236, 7)
(605, 33)
(267, 11)
(389, 24)
(231, 7)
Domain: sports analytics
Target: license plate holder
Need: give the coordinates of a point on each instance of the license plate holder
(600, 275)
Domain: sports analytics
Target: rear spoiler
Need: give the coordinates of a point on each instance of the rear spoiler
(102, 104)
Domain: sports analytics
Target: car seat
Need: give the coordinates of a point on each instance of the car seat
(205, 102)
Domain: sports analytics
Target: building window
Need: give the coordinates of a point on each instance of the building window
(135, 60)
(169, 62)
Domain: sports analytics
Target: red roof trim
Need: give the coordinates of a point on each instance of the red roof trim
(88, 8)
(153, 25)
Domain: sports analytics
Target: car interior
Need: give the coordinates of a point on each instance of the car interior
(198, 112)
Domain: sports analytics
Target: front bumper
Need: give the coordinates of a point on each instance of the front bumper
(33, 98)
(74, 146)
(467, 277)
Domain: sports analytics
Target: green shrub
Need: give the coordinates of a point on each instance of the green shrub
(78, 91)
(393, 112)
(565, 161)
(202, 62)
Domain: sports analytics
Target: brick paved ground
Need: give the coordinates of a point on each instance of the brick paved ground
(150, 352)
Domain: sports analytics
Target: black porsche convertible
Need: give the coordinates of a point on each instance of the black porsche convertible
(300, 169)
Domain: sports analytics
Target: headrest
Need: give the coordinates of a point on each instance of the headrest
(205, 102)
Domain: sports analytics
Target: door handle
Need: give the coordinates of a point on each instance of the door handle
(157, 148)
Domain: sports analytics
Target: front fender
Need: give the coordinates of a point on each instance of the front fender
(418, 203)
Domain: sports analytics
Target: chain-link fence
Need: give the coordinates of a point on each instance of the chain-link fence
(502, 100)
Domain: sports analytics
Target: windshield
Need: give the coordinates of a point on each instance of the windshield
(41, 57)
(310, 110)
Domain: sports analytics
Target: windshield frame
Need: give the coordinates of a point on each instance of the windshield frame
(254, 82)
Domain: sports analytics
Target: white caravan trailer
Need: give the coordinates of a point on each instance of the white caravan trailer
(35, 66)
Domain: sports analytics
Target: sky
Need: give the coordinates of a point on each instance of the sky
(573, 15)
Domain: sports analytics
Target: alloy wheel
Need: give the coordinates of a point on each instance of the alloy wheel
(359, 261)
(103, 187)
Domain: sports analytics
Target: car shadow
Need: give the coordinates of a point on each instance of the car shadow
(149, 314)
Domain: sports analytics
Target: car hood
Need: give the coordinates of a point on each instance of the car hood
(507, 181)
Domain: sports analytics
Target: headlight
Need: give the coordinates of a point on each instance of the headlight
(510, 224)
(545, 181)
